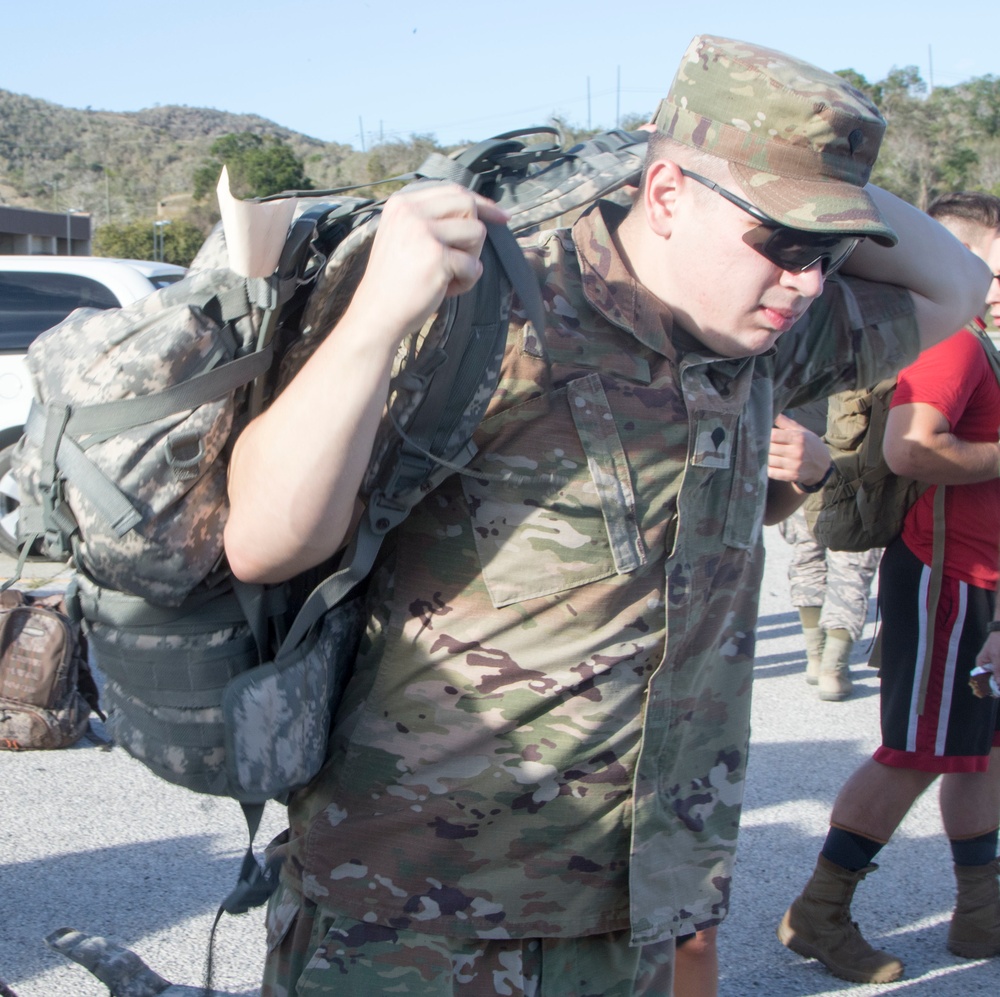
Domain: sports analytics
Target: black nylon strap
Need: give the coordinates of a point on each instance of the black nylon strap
(255, 884)
(360, 556)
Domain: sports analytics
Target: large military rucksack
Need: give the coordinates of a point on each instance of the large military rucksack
(218, 686)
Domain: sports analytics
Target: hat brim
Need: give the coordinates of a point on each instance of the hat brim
(814, 205)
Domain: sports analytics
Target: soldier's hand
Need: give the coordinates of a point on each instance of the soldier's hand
(426, 249)
(795, 453)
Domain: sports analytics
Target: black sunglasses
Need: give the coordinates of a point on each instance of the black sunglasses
(791, 249)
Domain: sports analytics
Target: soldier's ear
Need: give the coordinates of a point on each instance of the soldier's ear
(663, 178)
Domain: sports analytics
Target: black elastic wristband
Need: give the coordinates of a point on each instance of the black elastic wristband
(993, 627)
(809, 489)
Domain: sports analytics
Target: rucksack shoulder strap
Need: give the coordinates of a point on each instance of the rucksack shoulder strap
(978, 328)
(422, 459)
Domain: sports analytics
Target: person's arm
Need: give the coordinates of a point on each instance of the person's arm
(296, 469)
(782, 500)
(948, 283)
(919, 444)
(795, 457)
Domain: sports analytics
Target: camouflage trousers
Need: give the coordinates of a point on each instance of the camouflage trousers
(320, 954)
(837, 580)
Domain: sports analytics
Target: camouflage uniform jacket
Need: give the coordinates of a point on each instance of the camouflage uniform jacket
(547, 730)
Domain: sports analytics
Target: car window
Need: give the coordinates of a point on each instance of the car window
(163, 279)
(30, 303)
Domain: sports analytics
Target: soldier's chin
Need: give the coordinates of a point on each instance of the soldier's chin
(753, 343)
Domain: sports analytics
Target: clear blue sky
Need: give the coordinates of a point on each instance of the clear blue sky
(455, 70)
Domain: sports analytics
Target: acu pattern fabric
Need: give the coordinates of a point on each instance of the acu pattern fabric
(546, 732)
(838, 580)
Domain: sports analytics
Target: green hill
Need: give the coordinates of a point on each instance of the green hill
(123, 166)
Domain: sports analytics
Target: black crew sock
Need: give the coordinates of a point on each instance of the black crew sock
(974, 851)
(849, 850)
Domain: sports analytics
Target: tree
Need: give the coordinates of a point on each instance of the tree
(134, 241)
(257, 167)
(980, 99)
(857, 81)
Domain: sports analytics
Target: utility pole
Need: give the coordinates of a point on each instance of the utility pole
(361, 132)
(618, 99)
(159, 250)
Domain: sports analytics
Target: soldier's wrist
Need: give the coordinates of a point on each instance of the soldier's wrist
(816, 485)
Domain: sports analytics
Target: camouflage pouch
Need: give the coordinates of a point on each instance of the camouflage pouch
(46, 689)
(277, 717)
(121, 454)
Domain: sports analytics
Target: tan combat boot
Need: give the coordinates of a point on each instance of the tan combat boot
(975, 925)
(834, 673)
(815, 637)
(818, 925)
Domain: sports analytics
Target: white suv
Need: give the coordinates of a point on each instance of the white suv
(37, 292)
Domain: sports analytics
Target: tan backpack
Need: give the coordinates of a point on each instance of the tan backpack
(863, 504)
(46, 689)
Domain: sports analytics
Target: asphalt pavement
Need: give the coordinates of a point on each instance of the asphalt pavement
(90, 839)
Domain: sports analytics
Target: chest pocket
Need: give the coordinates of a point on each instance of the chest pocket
(566, 513)
(732, 495)
(745, 512)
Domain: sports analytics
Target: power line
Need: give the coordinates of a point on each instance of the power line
(584, 103)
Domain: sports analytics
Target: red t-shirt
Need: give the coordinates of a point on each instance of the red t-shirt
(956, 378)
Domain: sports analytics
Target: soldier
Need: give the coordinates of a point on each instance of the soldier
(829, 588)
(535, 775)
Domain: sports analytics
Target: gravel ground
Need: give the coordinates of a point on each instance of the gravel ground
(90, 839)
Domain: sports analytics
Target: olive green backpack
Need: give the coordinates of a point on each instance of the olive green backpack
(863, 503)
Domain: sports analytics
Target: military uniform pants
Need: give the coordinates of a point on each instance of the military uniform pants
(322, 955)
(837, 580)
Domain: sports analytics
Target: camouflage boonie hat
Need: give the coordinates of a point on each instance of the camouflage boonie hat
(800, 141)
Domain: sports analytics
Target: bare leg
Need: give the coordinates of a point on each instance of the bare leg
(696, 966)
(876, 798)
(970, 801)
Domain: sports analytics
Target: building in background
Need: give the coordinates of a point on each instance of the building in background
(24, 231)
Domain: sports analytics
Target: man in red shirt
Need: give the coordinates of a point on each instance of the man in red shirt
(942, 429)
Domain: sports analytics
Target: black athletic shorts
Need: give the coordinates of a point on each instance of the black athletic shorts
(955, 730)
